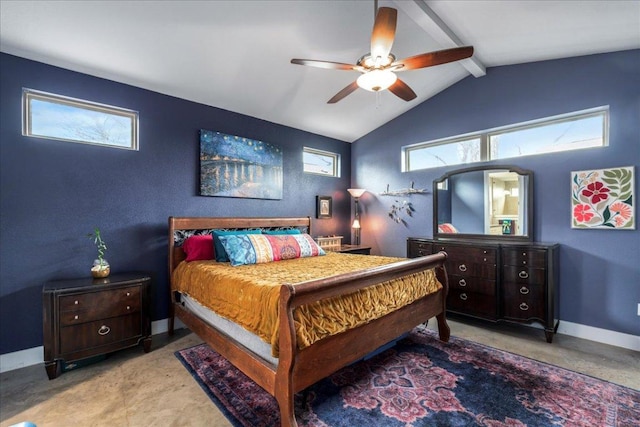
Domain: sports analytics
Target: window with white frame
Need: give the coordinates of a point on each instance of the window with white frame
(582, 129)
(321, 162)
(50, 116)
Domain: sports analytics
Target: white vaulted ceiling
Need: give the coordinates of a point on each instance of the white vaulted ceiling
(236, 55)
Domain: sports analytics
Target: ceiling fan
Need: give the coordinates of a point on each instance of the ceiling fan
(379, 67)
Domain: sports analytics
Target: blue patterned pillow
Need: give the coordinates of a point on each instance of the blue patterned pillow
(220, 253)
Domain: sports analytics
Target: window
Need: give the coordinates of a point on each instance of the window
(50, 116)
(583, 129)
(444, 154)
(321, 162)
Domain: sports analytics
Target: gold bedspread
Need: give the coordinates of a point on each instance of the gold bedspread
(248, 294)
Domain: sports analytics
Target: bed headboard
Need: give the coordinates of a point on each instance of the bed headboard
(179, 227)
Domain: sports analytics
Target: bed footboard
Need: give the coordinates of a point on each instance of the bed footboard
(298, 369)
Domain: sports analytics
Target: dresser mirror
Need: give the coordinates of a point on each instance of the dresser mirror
(484, 202)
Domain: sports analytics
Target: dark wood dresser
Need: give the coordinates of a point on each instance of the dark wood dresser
(514, 282)
(90, 317)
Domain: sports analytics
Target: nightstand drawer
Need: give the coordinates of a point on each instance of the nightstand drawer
(100, 332)
(91, 300)
(116, 308)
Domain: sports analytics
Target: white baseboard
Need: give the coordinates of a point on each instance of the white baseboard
(35, 355)
(604, 336)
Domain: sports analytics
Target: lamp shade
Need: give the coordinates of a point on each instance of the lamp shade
(356, 223)
(356, 192)
(376, 80)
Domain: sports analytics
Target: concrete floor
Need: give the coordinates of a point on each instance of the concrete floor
(131, 388)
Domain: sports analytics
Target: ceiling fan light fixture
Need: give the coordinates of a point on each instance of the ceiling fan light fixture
(376, 80)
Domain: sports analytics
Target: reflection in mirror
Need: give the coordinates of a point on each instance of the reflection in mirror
(484, 201)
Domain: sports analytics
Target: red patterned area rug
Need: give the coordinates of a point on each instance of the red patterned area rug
(424, 382)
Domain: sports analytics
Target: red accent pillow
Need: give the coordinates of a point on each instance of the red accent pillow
(199, 247)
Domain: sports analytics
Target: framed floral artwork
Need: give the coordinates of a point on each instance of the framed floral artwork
(603, 198)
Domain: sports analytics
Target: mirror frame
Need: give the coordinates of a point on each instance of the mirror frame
(492, 237)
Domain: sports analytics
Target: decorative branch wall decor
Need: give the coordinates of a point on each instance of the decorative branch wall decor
(404, 191)
(399, 208)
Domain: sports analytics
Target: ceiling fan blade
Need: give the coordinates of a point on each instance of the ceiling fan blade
(402, 90)
(384, 31)
(327, 64)
(344, 92)
(433, 58)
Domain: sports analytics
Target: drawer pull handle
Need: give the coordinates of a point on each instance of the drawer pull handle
(523, 275)
(75, 317)
(128, 294)
(524, 290)
(524, 254)
(462, 282)
(76, 302)
(484, 252)
(524, 307)
(462, 267)
(463, 297)
(484, 259)
(128, 308)
(524, 262)
(104, 330)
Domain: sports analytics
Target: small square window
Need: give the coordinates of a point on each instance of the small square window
(321, 162)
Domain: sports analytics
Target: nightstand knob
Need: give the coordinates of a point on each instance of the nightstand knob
(104, 330)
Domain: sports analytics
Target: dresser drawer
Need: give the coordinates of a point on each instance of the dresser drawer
(523, 275)
(468, 254)
(472, 303)
(472, 284)
(524, 257)
(523, 302)
(418, 249)
(100, 332)
(467, 268)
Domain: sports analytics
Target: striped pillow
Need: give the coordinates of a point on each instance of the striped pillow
(260, 248)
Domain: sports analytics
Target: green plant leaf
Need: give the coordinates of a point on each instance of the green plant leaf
(606, 214)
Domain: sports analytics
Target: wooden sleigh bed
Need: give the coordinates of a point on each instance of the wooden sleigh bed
(295, 368)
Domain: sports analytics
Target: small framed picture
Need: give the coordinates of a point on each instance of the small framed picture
(324, 207)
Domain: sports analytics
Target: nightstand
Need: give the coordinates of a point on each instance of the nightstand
(354, 249)
(91, 317)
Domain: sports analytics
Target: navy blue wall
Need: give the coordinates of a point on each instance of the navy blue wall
(55, 193)
(599, 272)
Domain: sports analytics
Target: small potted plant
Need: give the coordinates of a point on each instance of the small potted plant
(100, 267)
